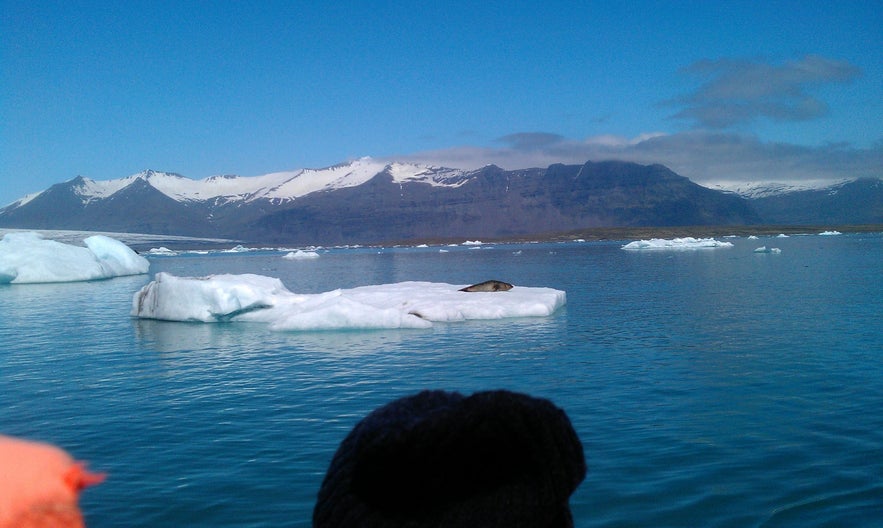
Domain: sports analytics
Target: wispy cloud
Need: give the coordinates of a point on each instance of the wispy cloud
(734, 91)
(703, 156)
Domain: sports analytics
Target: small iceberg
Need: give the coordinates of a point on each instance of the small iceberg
(830, 233)
(676, 244)
(300, 255)
(764, 249)
(162, 251)
(29, 258)
(261, 299)
(239, 248)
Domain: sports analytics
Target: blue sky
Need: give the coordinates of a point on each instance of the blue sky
(718, 91)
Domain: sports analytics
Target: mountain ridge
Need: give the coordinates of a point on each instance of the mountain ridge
(369, 201)
(284, 185)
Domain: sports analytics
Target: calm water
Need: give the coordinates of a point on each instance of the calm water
(710, 388)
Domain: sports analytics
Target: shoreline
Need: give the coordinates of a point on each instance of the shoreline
(142, 242)
(596, 234)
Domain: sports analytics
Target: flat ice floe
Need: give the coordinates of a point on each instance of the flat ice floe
(300, 255)
(27, 257)
(676, 243)
(764, 249)
(257, 298)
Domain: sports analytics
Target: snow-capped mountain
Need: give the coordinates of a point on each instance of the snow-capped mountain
(858, 201)
(373, 201)
(755, 190)
(278, 187)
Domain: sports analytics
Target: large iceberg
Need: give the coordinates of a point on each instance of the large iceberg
(257, 298)
(676, 243)
(27, 257)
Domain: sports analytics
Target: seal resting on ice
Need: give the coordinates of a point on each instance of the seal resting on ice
(488, 286)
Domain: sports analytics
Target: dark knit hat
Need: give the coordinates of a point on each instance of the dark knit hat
(496, 458)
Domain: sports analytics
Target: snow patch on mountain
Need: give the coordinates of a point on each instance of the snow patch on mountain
(21, 201)
(223, 188)
(754, 190)
(89, 190)
(435, 176)
(306, 181)
(277, 187)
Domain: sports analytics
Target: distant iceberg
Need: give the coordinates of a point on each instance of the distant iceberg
(162, 251)
(764, 249)
(27, 257)
(829, 233)
(300, 255)
(676, 243)
(257, 298)
(239, 248)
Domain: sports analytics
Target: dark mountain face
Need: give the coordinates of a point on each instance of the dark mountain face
(141, 208)
(137, 208)
(57, 204)
(490, 203)
(626, 194)
(498, 203)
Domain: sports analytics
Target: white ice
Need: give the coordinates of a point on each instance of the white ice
(676, 243)
(764, 249)
(829, 233)
(162, 251)
(257, 298)
(300, 255)
(237, 249)
(27, 257)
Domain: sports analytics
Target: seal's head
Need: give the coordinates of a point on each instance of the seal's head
(497, 459)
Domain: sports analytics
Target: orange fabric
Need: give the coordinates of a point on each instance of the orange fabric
(40, 485)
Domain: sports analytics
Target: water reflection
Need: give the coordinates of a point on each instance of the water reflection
(166, 336)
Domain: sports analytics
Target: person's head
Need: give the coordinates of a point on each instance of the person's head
(40, 485)
(436, 458)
